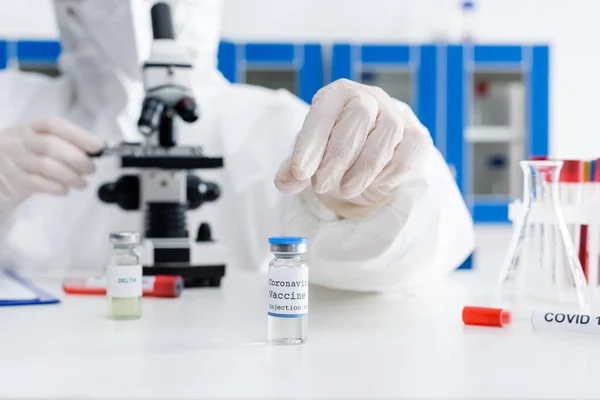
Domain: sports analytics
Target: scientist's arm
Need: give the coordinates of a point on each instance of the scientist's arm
(44, 156)
(376, 198)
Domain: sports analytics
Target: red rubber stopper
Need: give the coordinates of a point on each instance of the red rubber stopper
(167, 286)
(572, 171)
(484, 316)
(539, 158)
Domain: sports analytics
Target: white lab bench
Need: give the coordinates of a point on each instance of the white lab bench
(211, 344)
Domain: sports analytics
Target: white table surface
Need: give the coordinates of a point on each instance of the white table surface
(211, 344)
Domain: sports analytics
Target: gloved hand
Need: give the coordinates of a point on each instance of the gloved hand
(45, 156)
(354, 148)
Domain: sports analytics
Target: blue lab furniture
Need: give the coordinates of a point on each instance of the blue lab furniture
(37, 52)
(350, 61)
(29, 52)
(234, 59)
(422, 62)
(440, 97)
(461, 62)
(3, 54)
(304, 59)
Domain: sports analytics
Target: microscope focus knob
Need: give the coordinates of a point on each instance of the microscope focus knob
(199, 192)
(187, 109)
(213, 192)
(204, 233)
(124, 192)
(107, 193)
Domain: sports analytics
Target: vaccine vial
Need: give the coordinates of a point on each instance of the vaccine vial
(124, 277)
(288, 291)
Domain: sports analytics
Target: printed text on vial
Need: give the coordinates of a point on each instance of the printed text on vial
(124, 280)
(288, 291)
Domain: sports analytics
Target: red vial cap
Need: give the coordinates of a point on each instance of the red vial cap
(597, 171)
(167, 286)
(484, 316)
(539, 158)
(572, 171)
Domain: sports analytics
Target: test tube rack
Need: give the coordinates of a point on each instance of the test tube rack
(585, 214)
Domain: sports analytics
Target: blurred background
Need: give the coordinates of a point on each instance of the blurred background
(495, 81)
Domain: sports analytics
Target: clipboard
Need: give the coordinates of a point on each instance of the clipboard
(17, 291)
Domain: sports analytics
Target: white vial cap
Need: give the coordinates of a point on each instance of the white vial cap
(124, 237)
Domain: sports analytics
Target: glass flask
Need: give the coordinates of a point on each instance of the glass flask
(541, 268)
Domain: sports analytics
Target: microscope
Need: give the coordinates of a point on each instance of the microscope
(164, 189)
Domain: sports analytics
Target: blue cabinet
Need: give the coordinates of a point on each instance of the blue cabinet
(408, 73)
(38, 52)
(295, 67)
(31, 55)
(496, 114)
(3, 54)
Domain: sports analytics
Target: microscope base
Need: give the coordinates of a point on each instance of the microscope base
(193, 275)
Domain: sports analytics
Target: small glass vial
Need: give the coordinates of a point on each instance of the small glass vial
(288, 291)
(124, 273)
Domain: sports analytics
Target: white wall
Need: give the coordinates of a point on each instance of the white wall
(570, 26)
(27, 18)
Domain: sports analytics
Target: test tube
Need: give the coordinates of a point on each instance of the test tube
(587, 193)
(572, 176)
(154, 286)
(594, 239)
(539, 320)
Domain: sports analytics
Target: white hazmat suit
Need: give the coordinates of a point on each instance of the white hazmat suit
(362, 180)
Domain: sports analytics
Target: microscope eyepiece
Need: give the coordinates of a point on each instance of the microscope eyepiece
(151, 115)
(187, 109)
(162, 23)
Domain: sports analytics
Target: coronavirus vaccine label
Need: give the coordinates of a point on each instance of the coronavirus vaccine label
(566, 322)
(124, 281)
(288, 292)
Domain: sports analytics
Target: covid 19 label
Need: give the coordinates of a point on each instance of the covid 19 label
(566, 322)
(124, 281)
(288, 292)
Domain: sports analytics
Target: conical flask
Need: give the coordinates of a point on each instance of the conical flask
(541, 268)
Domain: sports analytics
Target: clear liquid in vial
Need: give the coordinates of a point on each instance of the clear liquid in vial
(287, 331)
